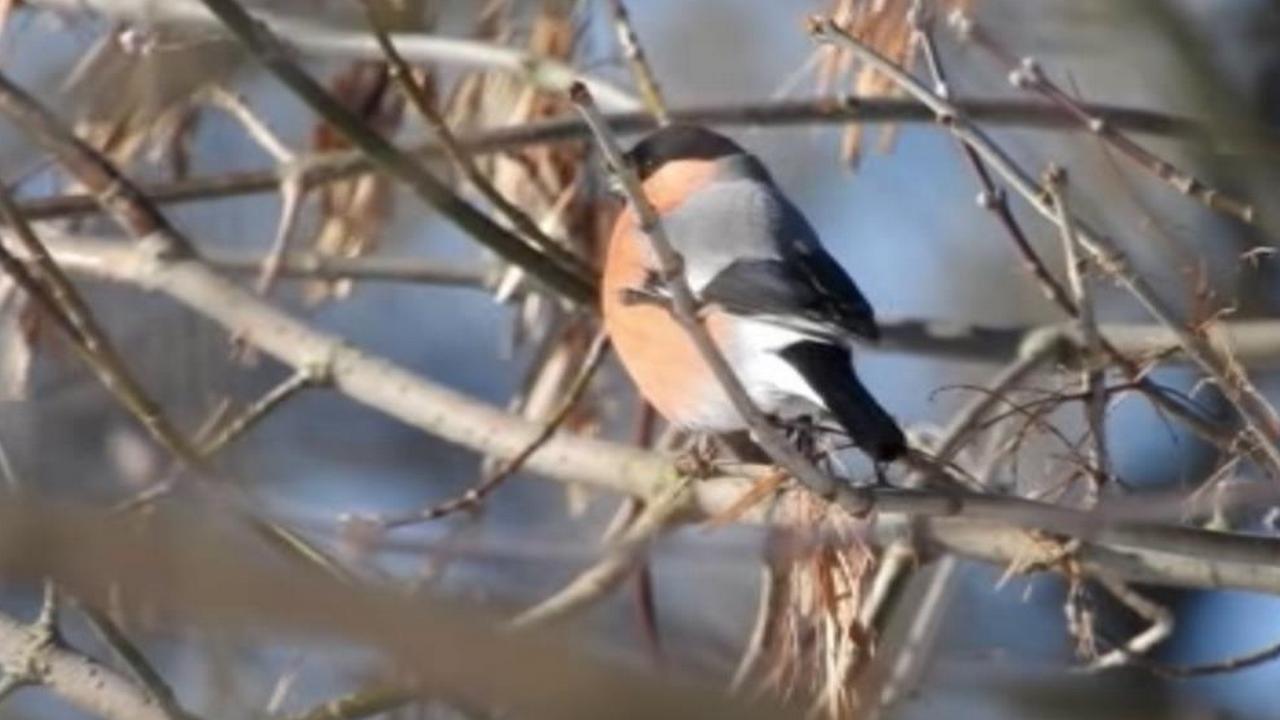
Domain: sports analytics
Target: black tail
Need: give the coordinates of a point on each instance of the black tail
(829, 371)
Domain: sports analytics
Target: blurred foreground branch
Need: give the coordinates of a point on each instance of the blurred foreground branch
(194, 574)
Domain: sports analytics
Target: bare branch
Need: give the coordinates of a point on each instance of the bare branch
(518, 218)
(995, 200)
(1159, 624)
(1254, 342)
(263, 406)
(977, 526)
(620, 561)
(29, 656)
(641, 71)
(1256, 412)
(259, 40)
(306, 36)
(332, 166)
(1028, 74)
(133, 212)
(131, 655)
(292, 189)
(1093, 375)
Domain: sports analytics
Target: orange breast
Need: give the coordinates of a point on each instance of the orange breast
(655, 350)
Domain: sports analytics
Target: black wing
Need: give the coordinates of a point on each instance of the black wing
(804, 286)
(811, 293)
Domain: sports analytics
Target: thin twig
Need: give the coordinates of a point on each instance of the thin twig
(775, 581)
(641, 70)
(893, 567)
(519, 219)
(1256, 412)
(1092, 374)
(913, 656)
(239, 425)
(598, 580)
(44, 282)
(322, 168)
(476, 496)
(133, 658)
(969, 420)
(995, 200)
(137, 216)
(1027, 74)
(371, 268)
(685, 311)
(306, 36)
(275, 56)
(257, 130)
(292, 187)
(1262, 655)
(1159, 624)
(8, 475)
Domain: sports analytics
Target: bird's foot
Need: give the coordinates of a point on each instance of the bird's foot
(698, 461)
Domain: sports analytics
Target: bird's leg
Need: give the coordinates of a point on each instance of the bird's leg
(801, 431)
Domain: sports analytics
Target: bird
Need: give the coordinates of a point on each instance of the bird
(778, 306)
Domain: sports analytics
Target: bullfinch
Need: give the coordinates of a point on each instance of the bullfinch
(778, 306)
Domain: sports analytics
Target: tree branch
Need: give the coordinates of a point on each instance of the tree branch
(311, 38)
(417, 96)
(136, 215)
(1147, 552)
(268, 49)
(332, 166)
(28, 655)
(1255, 343)
(1257, 414)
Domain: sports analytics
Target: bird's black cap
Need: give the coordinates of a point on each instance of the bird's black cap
(679, 142)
